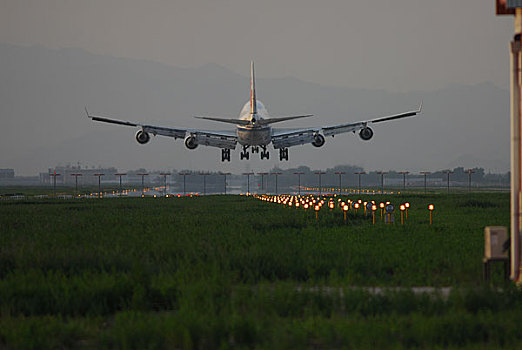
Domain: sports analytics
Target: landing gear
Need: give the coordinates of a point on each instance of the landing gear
(283, 154)
(244, 153)
(255, 149)
(264, 153)
(225, 154)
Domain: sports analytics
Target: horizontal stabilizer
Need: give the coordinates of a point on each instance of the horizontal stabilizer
(227, 120)
(282, 119)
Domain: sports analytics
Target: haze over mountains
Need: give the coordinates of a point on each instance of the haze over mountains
(43, 93)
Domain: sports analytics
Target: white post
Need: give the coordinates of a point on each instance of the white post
(515, 159)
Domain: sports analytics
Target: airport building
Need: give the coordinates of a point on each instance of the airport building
(7, 173)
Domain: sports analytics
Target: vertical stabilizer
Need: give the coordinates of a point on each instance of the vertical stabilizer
(253, 101)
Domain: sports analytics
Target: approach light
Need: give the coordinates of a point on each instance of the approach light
(431, 207)
(402, 207)
(373, 208)
(407, 205)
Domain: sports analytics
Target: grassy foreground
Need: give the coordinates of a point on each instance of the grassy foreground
(235, 272)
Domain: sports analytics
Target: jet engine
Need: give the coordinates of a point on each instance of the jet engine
(190, 142)
(366, 133)
(142, 137)
(318, 140)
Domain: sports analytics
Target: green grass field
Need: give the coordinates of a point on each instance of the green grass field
(223, 272)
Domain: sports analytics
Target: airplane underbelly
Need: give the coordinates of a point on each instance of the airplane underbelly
(253, 137)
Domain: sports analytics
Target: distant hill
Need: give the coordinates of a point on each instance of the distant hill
(43, 94)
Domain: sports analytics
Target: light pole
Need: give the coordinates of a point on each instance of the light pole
(248, 181)
(76, 182)
(382, 173)
(276, 175)
(165, 178)
(99, 183)
(184, 183)
(54, 175)
(225, 175)
(513, 8)
(320, 173)
(120, 175)
(360, 173)
(340, 173)
(404, 173)
(143, 183)
(298, 173)
(448, 172)
(262, 181)
(204, 182)
(470, 171)
(425, 173)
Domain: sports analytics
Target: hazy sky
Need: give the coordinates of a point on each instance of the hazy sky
(399, 45)
(424, 50)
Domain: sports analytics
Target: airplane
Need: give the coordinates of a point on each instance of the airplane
(253, 130)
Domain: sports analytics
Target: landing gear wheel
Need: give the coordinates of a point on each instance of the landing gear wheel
(283, 154)
(225, 155)
(255, 149)
(244, 154)
(265, 154)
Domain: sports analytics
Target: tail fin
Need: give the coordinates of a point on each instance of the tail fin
(253, 101)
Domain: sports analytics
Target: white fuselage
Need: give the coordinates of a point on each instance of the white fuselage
(254, 134)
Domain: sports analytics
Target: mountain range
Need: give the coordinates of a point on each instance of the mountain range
(43, 93)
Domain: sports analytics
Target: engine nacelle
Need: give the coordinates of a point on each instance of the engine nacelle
(318, 140)
(366, 133)
(142, 137)
(190, 142)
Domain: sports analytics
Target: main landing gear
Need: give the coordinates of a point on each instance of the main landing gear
(225, 154)
(264, 153)
(283, 154)
(244, 153)
(255, 149)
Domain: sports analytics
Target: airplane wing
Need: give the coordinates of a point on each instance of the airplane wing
(288, 138)
(220, 139)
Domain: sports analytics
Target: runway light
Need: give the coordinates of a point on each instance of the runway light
(431, 207)
(407, 205)
(356, 206)
(402, 208)
(317, 208)
(373, 208)
(345, 210)
(381, 205)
